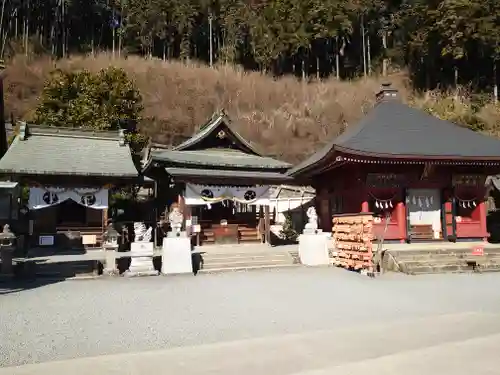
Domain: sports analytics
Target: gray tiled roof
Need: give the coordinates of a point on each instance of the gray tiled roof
(68, 152)
(217, 158)
(223, 173)
(393, 129)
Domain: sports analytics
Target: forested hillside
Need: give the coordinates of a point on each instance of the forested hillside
(442, 43)
(443, 55)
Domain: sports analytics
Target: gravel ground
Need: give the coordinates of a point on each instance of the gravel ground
(86, 318)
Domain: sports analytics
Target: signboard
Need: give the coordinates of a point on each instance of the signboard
(468, 180)
(89, 239)
(385, 180)
(478, 250)
(197, 228)
(46, 240)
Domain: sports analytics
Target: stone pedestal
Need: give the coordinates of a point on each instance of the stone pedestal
(141, 263)
(6, 258)
(313, 249)
(110, 260)
(176, 254)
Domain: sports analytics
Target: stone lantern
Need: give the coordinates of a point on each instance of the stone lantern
(110, 239)
(7, 247)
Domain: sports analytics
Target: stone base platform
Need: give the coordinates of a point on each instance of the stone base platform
(442, 257)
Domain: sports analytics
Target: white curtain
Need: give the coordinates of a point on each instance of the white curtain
(49, 196)
(424, 207)
(205, 194)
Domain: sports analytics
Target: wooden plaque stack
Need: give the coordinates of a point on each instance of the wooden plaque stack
(353, 234)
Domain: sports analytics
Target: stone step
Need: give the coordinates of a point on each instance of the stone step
(245, 262)
(443, 255)
(247, 268)
(463, 262)
(450, 268)
(432, 253)
(212, 256)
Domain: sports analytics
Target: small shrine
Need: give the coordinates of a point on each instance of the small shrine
(221, 183)
(69, 173)
(422, 178)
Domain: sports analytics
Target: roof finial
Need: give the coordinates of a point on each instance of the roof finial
(23, 131)
(387, 92)
(121, 135)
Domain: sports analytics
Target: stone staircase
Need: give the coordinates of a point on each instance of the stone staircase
(246, 235)
(425, 261)
(244, 257)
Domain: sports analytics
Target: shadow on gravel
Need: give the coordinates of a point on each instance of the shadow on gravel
(16, 286)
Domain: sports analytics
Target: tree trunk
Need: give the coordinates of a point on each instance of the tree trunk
(318, 77)
(495, 82)
(2, 31)
(210, 40)
(303, 66)
(16, 26)
(363, 45)
(384, 60)
(63, 30)
(26, 29)
(369, 55)
(337, 59)
(119, 44)
(113, 43)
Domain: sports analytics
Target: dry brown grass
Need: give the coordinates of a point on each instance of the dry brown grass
(284, 117)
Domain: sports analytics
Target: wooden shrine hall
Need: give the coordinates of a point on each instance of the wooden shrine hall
(423, 178)
(70, 174)
(221, 182)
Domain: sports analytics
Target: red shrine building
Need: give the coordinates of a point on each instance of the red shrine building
(423, 178)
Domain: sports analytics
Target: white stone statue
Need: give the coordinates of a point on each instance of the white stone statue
(313, 218)
(176, 218)
(141, 233)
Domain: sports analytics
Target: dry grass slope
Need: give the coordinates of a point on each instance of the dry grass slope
(284, 117)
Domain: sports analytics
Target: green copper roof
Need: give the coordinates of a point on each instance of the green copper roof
(58, 151)
(217, 158)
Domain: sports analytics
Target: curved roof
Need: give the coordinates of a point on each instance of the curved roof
(41, 150)
(395, 130)
(218, 158)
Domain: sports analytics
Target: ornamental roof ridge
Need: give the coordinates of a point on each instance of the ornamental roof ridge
(26, 130)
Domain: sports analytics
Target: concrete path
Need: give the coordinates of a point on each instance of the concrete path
(454, 344)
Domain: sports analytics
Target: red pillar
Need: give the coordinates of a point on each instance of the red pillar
(365, 207)
(482, 218)
(401, 218)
